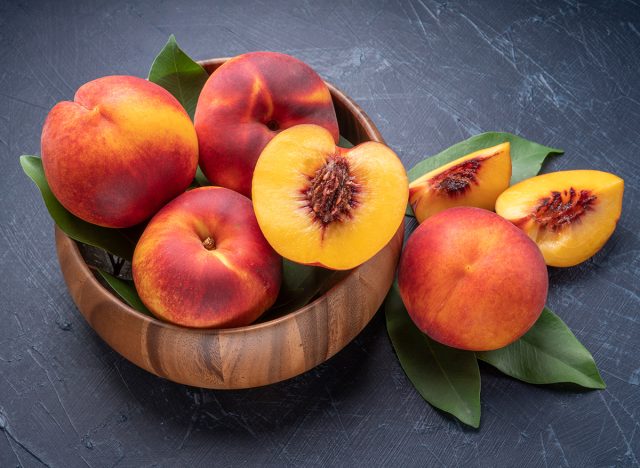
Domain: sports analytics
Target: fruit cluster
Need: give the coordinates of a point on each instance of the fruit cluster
(265, 128)
(265, 133)
(470, 278)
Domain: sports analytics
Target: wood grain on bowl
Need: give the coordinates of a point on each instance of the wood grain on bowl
(249, 356)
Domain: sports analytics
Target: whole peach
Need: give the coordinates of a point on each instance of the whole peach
(119, 151)
(202, 261)
(246, 102)
(472, 280)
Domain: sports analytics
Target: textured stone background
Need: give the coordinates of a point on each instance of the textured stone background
(429, 74)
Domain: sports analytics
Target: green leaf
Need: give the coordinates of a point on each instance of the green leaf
(547, 353)
(526, 156)
(447, 378)
(120, 242)
(344, 143)
(201, 179)
(176, 72)
(126, 290)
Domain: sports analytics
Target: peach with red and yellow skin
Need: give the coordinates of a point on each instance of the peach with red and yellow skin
(249, 100)
(472, 280)
(203, 262)
(118, 152)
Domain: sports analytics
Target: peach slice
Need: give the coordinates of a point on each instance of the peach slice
(320, 204)
(569, 214)
(472, 180)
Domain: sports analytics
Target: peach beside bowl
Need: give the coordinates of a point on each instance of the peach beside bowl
(249, 356)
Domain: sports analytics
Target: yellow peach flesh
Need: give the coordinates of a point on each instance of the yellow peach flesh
(577, 224)
(472, 180)
(282, 178)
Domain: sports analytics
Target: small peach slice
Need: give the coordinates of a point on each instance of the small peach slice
(569, 214)
(320, 204)
(472, 180)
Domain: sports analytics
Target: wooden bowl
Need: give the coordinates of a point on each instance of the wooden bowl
(249, 356)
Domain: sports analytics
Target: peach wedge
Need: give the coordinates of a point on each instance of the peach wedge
(472, 180)
(569, 214)
(320, 204)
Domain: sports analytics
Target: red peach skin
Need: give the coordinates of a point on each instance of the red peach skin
(117, 153)
(246, 102)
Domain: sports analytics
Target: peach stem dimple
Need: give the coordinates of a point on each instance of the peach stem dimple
(209, 243)
(273, 125)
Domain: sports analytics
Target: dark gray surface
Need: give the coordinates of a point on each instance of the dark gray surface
(429, 74)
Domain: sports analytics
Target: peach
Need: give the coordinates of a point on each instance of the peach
(320, 204)
(248, 101)
(471, 280)
(472, 180)
(569, 214)
(119, 151)
(203, 262)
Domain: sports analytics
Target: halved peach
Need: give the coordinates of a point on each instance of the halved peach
(472, 180)
(320, 204)
(569, 214)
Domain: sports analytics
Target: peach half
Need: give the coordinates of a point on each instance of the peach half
(320, 204)
(202, 261)
(471, 280)
(472, 180)
(569, 214)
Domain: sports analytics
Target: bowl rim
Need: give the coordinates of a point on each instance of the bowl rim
(372, 133)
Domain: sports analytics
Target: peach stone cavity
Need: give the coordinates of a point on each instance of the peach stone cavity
(562, 208)
(332, 192)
